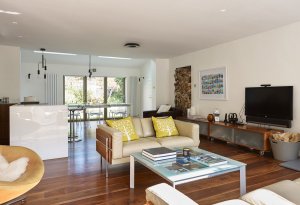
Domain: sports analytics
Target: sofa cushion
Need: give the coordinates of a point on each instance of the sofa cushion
(176, 141)
(287, 189)
(126, 127)
(164, 194)
(265, 197)
(232, 202)
(138, 145)
(138, 126)
(147, 126)
(164, 127)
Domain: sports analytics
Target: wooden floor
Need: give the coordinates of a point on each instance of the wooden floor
(79, 180)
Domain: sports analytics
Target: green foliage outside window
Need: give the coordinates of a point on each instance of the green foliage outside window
(115, 90)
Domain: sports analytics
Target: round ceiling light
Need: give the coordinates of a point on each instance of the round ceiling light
(132, 45)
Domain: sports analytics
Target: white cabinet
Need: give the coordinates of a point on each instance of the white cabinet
(42, 128)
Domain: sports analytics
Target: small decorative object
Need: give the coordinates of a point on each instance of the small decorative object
(186, 152)
(217, 115)
(188, 113)
(210, 118)
(5, 99)
(212, 84)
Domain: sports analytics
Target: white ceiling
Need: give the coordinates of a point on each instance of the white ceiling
(164, 28)
(28, 56)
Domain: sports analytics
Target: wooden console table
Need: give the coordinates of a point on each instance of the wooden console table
(249, 136)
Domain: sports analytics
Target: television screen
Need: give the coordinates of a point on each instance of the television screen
(269, 102)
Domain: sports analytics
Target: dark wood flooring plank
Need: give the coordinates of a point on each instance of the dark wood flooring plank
(79, 179)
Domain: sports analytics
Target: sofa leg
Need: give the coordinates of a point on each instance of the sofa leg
(106, 169)
(101, 162)
(106, 158)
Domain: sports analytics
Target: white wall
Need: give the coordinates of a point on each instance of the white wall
(162, 82)
(10, 72)
(36, 86)
(148, 86)
(269, 57)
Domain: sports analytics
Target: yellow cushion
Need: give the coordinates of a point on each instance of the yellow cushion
(164, 127)
(126, 127)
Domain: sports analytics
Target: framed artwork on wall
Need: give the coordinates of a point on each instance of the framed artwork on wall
(213, 84)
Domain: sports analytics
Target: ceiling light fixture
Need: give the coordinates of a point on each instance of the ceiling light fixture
(56, 53)
(14, 22)
(223, 10)
(10, 12)
(132, 45)
(90, 66)
(43, 63)
(111, 57)
(20, 36)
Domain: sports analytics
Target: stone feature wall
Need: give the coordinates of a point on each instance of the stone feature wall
(183, 89)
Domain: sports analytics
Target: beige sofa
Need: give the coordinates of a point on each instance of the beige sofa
(111, 147)
(285, 192)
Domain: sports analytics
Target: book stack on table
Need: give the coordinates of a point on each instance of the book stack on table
(159, 153)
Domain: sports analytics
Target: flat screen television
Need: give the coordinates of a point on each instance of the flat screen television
(269, 105)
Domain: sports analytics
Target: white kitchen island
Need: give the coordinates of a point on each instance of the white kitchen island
(42, 128)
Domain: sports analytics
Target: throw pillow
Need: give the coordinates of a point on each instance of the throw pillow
(164, 127)
(163, 108)
(126, 127)
(14, 170)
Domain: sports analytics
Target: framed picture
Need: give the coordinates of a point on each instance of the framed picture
(213, 84)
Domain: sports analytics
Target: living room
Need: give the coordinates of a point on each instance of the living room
(257, 43)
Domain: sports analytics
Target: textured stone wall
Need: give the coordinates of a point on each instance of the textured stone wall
(183, 89)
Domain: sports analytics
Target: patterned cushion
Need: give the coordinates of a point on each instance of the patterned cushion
(126, 127)
(164, 127)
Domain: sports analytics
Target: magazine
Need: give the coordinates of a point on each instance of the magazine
(184, 165)
(209, 159)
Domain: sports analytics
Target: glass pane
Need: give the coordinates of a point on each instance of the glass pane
(115, 90)
(73, 90)
(117, 112)
(95, 113)
(95, 90)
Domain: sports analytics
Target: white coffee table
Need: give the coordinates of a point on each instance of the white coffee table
(196, 172)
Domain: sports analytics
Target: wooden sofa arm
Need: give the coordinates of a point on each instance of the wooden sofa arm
(109, 143)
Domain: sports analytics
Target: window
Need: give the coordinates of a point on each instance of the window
(93, 91)
(115, 90)
(73, 90)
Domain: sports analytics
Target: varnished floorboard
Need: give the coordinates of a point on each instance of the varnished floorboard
(78, 180)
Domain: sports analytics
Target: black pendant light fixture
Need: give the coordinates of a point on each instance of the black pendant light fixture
(42, 64)
(90, 66)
